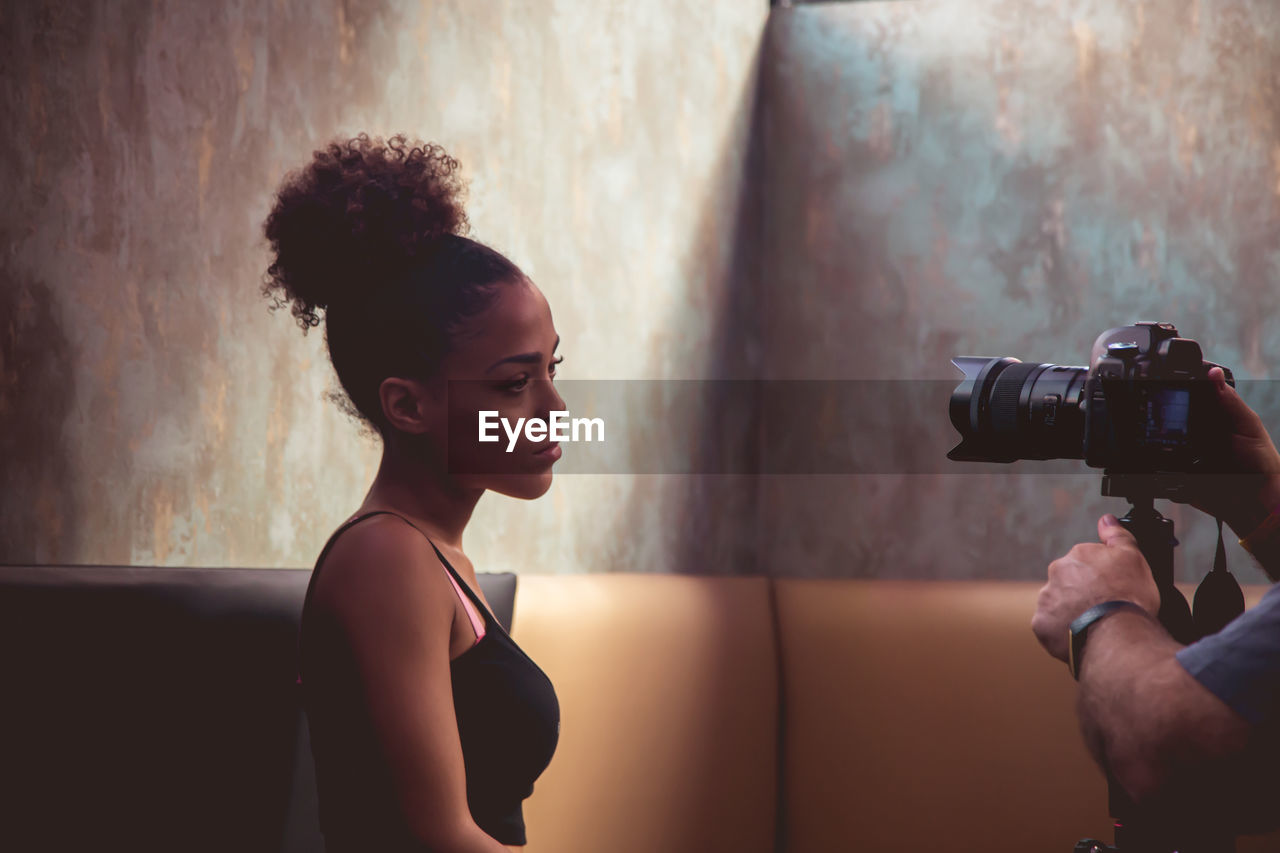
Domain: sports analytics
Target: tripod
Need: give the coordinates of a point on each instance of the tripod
(1138, 830)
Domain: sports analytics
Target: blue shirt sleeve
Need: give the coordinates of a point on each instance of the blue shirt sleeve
(1241, 663)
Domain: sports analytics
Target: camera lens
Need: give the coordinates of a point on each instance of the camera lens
(1006, 410)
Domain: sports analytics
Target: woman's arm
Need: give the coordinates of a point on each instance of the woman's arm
(390, 596)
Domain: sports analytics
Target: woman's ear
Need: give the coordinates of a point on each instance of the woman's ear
(410, 405)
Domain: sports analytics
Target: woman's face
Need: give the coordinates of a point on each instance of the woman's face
(502, 360)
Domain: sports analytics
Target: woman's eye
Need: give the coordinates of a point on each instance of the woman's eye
(518, 385)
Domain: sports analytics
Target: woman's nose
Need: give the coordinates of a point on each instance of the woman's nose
(555, 403)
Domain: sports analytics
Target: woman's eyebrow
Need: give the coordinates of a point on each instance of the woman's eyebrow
(524, 357)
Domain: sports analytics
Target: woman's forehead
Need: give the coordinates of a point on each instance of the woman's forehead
(517, 321)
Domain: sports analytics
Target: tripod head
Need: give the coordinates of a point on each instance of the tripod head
(1155, 538)
(1218, 599)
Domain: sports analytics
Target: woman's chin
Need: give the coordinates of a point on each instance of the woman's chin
(524, 486)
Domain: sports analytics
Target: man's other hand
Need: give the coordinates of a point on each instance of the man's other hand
(1239, 481)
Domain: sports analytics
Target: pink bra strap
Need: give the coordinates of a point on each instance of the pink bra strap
(476, 622)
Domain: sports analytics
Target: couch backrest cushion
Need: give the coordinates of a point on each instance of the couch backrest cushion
(668, 695)
(155, 709)
(925, 716)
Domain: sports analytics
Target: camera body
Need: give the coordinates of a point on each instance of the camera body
(1143, 406)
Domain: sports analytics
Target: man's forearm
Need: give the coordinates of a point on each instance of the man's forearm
(1180, 744)
(1124, 668)
(1145, 719)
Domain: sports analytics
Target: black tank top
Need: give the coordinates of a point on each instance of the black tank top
(508, 724)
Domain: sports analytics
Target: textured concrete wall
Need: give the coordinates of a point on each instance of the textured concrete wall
(155, 412)
(1002, 178)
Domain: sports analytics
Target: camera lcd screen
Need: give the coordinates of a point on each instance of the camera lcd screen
(1168, 411)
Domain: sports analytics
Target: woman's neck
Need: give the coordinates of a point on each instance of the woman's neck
(432, 501)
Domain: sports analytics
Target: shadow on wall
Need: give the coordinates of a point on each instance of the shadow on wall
(36, 392)
(712, 516)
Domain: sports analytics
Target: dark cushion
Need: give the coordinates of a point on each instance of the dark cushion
(156, 709)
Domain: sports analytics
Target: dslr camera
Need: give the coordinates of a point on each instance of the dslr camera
(1142, 410)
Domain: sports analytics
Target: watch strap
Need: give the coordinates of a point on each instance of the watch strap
(1264, 541)
(1079, 629)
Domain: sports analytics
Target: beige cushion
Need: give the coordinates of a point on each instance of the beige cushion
(925, 716)
(668, 702)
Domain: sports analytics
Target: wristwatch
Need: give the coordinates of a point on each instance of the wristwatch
(1079, 630)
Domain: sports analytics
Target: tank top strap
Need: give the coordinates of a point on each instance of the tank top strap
(463, 589)
(334, 536)
(480, 625)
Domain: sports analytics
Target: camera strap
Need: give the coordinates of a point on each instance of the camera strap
(1220, 558)
(1218, 599)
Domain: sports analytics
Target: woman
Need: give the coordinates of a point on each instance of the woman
(428, 724)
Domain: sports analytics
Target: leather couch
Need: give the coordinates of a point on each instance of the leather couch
(155, 709)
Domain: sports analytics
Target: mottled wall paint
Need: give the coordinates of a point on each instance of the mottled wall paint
(943, 178)
(1004, 178)
(155, 412)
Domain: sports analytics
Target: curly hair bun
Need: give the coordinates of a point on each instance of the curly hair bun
(357, 214)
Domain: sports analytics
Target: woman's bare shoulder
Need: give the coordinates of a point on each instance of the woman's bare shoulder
(379, 566)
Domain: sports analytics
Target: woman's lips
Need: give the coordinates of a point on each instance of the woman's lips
(551, 451)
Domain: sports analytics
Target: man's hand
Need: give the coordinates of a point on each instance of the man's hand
(1089, 574)
(1240, 482)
